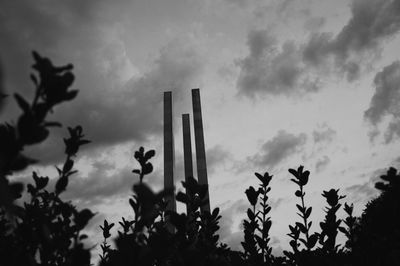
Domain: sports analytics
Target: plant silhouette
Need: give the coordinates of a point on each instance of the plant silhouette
(46, 230)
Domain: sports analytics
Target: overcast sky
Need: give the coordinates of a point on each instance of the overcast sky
(283, 83)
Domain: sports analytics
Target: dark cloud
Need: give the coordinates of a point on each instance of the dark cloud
(371, 22)
(269, 69)
(280, 147)
(384, 102)
(291, 69)
(100, 185)
(322, 163)
(366, 190)
(135, 112)
(105, 183)
(113, 105)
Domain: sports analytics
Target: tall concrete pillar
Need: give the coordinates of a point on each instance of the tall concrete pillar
(169, 160)
(200, 148)
(187, 151)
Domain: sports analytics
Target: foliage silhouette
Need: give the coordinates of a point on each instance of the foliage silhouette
(51, 88)
(256, 230)
(45, 230)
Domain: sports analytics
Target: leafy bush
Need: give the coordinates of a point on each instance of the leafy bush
(46, 230)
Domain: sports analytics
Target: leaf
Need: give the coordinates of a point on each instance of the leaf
(68, 165)
(71, 95)
(302, 228)
(250, 214)
(181, 197)
(259, 176)
(215, 213)
(267, 210)
(294, 172)
(149, 154)
(308, 212)
(343, 230)
(61, 184)
(312, 240)
(136, 171)
(260, 241)
(293, 244)
(22, 103)
(267, 226)
(83, 142)
(147, 168)
(301, 209)
(303, 241)
(81, 237)
(292, 228)
(34, 79)
(52, 124)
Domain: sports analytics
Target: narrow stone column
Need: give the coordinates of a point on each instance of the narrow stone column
(169, 160)
(200, 148)
(187, 151)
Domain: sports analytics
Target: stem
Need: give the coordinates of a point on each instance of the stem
(141, 177)
(304, 216)
(263, 221)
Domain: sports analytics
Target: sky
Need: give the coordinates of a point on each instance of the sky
(283, 83)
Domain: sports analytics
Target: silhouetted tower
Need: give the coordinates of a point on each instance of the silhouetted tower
(169, 153)
(187, 148)
(200, 148)
(187, 151)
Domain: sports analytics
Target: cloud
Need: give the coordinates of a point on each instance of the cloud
(239, 3)
(384, 102)
(371, 22)
(324, 134)
(104, 183)
(216, 156)
(365, 191)
(271, 70)
(314, 23)
(321, 163)
(115, 103)
(135, 111)
(290, 69)
(280, 147)
(226, 232)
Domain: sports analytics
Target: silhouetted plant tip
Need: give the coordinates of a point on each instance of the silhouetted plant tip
(142, 158)
(256, 228)
(349, 230)
(330, 226)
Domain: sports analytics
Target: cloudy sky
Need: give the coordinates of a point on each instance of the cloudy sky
(283, 83)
